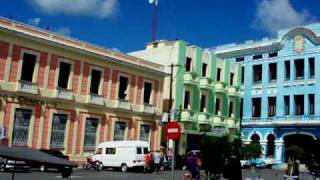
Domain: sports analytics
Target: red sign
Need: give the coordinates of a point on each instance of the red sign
(173, 130)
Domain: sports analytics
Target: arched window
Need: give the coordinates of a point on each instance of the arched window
(255, 138)
(270, 145)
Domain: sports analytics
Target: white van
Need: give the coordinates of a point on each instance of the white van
(122, 154)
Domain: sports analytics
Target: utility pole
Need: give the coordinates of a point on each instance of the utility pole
(169, 117)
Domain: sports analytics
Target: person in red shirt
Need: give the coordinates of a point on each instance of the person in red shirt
(148, 162)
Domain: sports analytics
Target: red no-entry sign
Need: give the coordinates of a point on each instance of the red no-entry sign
(173, 130)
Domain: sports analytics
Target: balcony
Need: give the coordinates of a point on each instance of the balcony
(298, 81)
(65, 94)
(205, 83)
(122, 104)
(256, 85)
(190, 78)
(219, 87)
(230, 123)
(96, 99)
(27, 87)
(204, 118)
(148, 108)
(233, 91)
(294, 120)
(187, 116)
(311, 81)
(217, 120)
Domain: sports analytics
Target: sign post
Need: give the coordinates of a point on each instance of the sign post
(173, 132)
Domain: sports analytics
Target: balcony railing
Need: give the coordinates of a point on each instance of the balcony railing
(190, 78)
(205, 83)
(123, 104)
(283, 120)
(27, 87)
(96, 99)
(64, 93)
(148, 108)
(204, 118)
(187, 116)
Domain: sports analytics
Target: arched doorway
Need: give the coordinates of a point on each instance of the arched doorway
(301, 141)
(255, 138)
(270, 145)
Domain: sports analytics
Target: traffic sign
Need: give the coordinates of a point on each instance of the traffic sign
(173, 130)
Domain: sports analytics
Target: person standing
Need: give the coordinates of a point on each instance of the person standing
(157, 160)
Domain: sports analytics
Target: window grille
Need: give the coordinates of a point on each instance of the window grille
(90, 135)
(58, 130)
(145, 132)
(21, 127)
(119, 131)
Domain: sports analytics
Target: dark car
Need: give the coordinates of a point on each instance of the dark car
(8, 164)
(53, 152)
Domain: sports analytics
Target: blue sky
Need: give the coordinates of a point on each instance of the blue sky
(126, 24)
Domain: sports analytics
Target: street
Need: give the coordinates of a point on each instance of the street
(265, 174)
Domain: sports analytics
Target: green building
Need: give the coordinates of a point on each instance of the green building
(206, 90)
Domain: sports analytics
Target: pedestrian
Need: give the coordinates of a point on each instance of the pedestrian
(193, 165)
(157, 160)
(148, 160)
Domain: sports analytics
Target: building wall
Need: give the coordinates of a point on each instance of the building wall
(291, 44)
(192, 120)
(41, 96)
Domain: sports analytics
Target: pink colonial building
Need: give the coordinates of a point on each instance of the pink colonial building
(58, 92)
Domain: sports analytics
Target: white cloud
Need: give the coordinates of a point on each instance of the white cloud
(273, 15)
(34, 21)
(97, 8)
(64, 31)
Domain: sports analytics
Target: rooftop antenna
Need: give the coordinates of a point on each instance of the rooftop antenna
(154, 19)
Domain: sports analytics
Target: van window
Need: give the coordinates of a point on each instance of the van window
(145, 150)
(139, 150)
(110, 150)
(99, 151)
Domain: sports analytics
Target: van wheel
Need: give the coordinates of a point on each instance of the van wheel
(124, 168)
(2, 167)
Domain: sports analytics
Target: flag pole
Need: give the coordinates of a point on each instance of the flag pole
(154, 22)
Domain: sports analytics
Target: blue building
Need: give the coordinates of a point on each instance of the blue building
(281, 89)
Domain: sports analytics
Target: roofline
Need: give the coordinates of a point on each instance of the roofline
(57, 39)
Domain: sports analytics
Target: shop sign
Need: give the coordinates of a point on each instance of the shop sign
(27, 100)
(218, 130)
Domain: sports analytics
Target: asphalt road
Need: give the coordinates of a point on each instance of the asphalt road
(81, 174)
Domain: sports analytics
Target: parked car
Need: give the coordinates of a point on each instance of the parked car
(245, 163)
(45, 167)
(8, 164)
(122, 154)
(263, 162)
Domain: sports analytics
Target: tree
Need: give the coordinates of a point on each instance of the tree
(214, 151)
(252, 150)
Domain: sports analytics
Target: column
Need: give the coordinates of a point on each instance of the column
(263, 144)
(279, 150)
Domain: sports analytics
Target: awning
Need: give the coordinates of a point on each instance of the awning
(34, 156)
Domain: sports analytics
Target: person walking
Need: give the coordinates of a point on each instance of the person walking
(193, 165)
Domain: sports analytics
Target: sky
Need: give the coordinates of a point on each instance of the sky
(125, 25)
